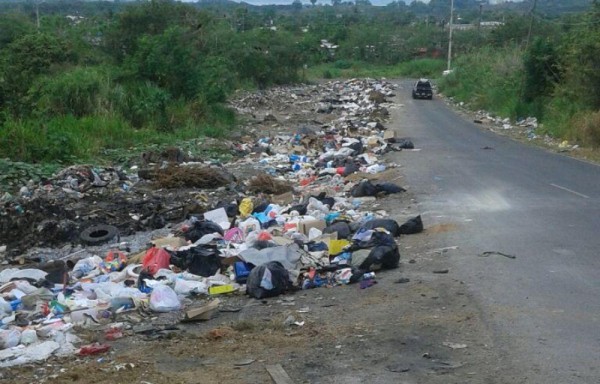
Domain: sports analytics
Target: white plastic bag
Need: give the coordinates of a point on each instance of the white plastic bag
(187, 287)
(9, 338)
(29, 336)
(5, 307)
(164, 299)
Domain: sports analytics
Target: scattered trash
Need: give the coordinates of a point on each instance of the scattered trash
(164, 299)
(93, 349)
(290, 211)
(441, 271)
(242, 363)
(488, 253)
(203, 313)
(278, 374)
(454, 345)
(268, 280)
(98, 234)
(398, 368)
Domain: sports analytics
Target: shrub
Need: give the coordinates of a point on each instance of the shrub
(586, 128)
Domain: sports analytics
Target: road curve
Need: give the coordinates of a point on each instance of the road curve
(543, 306)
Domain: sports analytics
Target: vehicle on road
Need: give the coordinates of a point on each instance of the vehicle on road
(422, 90)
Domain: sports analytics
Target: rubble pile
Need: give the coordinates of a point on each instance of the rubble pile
(300, 213)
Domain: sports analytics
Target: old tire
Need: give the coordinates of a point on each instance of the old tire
(98, 234)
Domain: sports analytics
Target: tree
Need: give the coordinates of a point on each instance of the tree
(541, 70)
(297, 5)
(24, 60)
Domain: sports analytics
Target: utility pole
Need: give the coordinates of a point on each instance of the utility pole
(37, 14)
(480, 12)
(530, 23)
(450, 34)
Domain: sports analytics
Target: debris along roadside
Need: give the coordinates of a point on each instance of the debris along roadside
(305, 220)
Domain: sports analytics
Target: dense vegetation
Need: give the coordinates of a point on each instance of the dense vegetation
(552, 74)
(82, 80)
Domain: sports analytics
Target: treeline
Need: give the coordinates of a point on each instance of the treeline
(79, 80)
(552, 73)
(73, 83)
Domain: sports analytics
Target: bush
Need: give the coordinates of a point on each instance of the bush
(430, 68)
(586, 128)
(79, 92)
(343, 64)
(487, 79)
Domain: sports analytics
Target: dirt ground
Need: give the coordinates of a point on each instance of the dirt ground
(416, 325)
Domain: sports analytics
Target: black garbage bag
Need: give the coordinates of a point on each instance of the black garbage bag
(261, 207)
(268, 280)
(412, 226)
(402, 143)
(381, 257)
(201, 228)
(322, 197)
(405, 144)
(342, 228)
(390, 225)
(301, 208)
(202, 260)
(377, 238)
(350, 168)
(364, 188)
(357, 147)
(389, 188)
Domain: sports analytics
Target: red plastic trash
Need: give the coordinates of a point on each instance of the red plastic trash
(93, 349)
(155, 259)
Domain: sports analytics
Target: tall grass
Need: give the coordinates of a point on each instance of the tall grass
(431, 68)
(488, 79)
(68, 139)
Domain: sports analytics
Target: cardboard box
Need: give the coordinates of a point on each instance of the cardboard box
(305, 225)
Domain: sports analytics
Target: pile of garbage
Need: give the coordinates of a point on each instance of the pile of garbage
(302, 222)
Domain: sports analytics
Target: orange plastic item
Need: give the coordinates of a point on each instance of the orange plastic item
(308, 180)
(265, 236)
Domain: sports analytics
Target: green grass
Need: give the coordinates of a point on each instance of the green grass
(487, 79)
(100, 139)
(345, 69)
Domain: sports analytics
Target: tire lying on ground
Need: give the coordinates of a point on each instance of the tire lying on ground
(98, 234)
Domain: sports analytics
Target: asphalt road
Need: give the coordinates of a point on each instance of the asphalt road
(543, 307)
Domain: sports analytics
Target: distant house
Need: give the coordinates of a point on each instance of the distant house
(484, 24)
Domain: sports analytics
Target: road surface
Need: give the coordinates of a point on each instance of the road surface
(543, 307)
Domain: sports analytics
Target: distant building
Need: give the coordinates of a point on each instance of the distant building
(484, 24)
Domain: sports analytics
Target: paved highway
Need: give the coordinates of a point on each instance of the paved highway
(544, 306)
